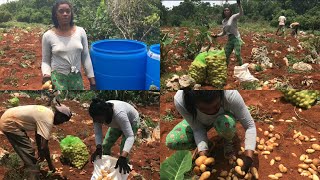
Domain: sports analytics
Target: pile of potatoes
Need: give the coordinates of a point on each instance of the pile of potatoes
(269, 144)
(47, 85)
(198, 72)
(104, 175)
(216, 70)
(301, 98)
(203, 165)
(204, 169)
(299, 138)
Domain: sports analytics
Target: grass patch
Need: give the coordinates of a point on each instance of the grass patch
(28, 56)
(11, 80)
(258, 68)
(168, 117)
(28, 76)
(22, 25)
(149, 122)
(249, 85)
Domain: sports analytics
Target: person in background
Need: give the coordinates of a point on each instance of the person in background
(16, 121)
(64, 49)
(230, 28)
(294, 26)
(282, 22)
(122, 120)
(203, 110)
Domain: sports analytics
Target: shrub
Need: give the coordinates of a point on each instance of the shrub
(5, 16)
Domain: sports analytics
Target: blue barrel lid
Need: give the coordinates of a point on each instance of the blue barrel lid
(155, 48)
(119, 46)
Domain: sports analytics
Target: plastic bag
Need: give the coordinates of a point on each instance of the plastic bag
(107, 163)
(74, 151)
(243, 73)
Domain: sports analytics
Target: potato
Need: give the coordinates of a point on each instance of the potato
(300, 170)
(46, 85)
(313, 167)
(313, 139)
(260, 147)
(272, 162)
(279, 175)
(240, 162)
(316, 147)
(269, 148)
(261, 141)
(271, 128)
(213, 171)
(248, 176)
(275, 144)
(200, 160)
(209, 161)
(224, 173)
(277, 136)
(205, 175)
(266, 133)
(203, 168)
(271, 176)
(270, 135)
(316, 161)
(265, 153)
(254, 172)
(239, 171)
(277, 158)
(302, 157)
(100, 178)
(303, 166)
(301, 137)
(197, 170)
(312, 171)
(315, 177)
(282, 168)
(310, 151)
(308, 161)
(296, 135)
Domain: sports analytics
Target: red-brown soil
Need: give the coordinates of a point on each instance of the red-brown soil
(20, 63)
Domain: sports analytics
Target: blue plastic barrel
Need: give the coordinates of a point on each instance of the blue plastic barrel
(153, 67)
(119, 64)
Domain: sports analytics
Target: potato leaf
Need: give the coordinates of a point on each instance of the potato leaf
(176, 166)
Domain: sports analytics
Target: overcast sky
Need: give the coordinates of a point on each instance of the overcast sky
(171, 3)
(4, 1)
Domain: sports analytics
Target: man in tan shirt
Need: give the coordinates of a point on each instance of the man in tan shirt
(16, 121)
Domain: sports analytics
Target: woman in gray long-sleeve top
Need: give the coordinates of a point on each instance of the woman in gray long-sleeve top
(203, 110)
(64, 49)
(230, 28)
(122, 119)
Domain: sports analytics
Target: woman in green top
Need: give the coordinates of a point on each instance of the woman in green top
(230, 28)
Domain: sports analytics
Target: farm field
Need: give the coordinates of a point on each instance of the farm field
(266, 108)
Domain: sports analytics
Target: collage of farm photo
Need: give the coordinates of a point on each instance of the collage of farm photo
(159, 89)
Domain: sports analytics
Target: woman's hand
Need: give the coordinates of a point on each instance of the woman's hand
(92, 83)
(203, 153)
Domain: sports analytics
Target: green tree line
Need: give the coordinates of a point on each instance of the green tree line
(102, 19)
(197, 13)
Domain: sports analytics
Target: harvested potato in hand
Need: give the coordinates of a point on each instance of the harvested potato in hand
(47, 85)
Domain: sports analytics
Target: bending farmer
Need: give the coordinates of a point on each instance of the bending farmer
(230, 28)
(16, 121)
(203, 110)
(282, 23)
(123, 120)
